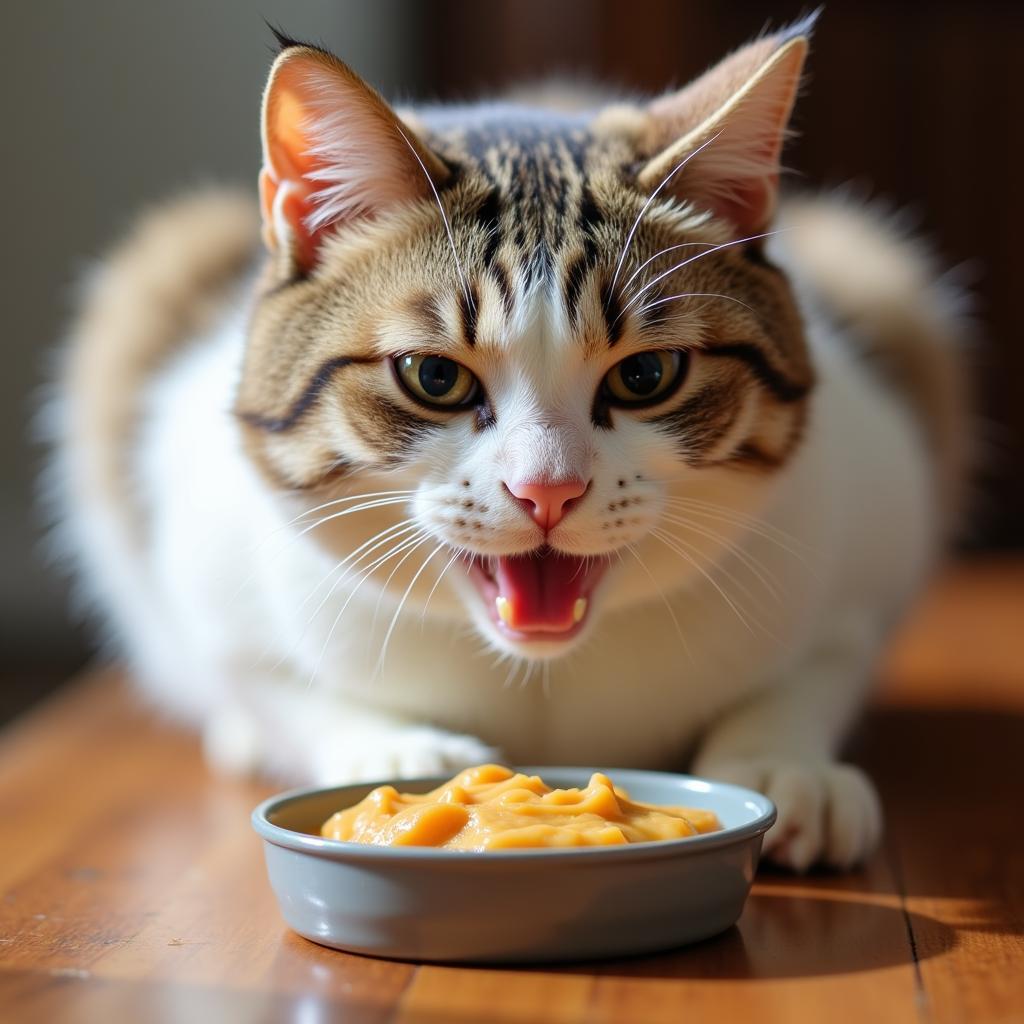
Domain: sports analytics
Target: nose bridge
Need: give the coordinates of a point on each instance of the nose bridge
(547, 451)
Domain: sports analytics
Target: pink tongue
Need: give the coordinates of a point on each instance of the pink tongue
(541, 589)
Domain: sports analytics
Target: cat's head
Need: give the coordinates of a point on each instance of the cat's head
(549, 342)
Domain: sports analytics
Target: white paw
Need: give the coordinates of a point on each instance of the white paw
(399, 753)
(828, 813)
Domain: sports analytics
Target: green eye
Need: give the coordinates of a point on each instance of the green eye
(437, 380)
(644, 378)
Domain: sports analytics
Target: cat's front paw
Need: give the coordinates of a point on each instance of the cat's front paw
(400, 753)
(828, 813)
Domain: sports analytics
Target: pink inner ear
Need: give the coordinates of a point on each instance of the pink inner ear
(282, 201)
(744, 105)
(333, 154)
(750, 212)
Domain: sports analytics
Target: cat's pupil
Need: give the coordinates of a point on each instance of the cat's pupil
(642, 373)
(438, 375)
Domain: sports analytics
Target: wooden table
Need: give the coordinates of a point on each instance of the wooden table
(134, 890)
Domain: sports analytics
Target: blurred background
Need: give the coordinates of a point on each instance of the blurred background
(110, 105)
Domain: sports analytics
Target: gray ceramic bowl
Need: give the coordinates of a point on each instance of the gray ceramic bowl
(419, 903)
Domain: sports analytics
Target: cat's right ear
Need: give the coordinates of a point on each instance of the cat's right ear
(334, 153)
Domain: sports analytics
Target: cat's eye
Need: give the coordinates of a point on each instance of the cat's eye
(437, 380)
(644, 377)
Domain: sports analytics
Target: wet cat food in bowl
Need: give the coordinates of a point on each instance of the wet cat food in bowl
(518, 903)
(494, 808)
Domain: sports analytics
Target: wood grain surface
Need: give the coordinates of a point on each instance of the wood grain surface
(134, 890)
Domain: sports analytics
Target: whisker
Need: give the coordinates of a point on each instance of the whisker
(347, 497)
(663, 252)
(674, 544)
(444, 216)
(450, 563)
(717, 566)
(387, 583)
(753, 524)
(404, 527)
(366, 506)
(693, 259)
(650, 199)
(364, 575)
(697, 295)
(734, 549)
(401, 605)
(668, 605)
(385, 536)
(397, 499)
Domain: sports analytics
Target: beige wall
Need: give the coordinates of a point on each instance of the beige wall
(106, 105)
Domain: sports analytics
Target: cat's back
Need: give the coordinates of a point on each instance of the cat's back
(172, 278)
(159, 288)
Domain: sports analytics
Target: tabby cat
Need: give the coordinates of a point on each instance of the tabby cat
(535, 433)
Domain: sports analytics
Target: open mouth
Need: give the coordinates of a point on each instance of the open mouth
(542, 595)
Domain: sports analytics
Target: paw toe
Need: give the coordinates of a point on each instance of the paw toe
(827, 813)
(795, 840)
(854, 820)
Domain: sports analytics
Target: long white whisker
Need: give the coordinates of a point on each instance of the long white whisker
(392, 533)
(671, 611)
(692, 259)
(724, 513)
(448, 565)
(696, 295)
(674, 544)
(444, 217)
(339, 501)
(664, 252)
(366, 506)
(650, 199)
(729, 575)
(397, 499)
(735, 549)
(401, 605)
(385, 536)
(365, 574)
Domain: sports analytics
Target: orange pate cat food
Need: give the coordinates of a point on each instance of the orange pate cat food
(494, 808)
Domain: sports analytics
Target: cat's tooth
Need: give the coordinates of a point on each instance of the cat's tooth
(504, 609)
(579, 609)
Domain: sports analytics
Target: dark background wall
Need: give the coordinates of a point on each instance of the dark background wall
(112, 104)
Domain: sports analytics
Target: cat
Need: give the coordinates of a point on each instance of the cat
(537, 435)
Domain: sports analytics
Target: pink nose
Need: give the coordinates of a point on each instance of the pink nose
(548, 501)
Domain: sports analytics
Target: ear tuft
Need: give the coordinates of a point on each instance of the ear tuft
(802, 27)
(286, 42)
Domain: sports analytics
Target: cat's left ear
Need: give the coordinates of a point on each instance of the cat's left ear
(724, 132)
(334, 153)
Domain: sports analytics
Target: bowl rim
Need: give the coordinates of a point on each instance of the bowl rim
(337, 849)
